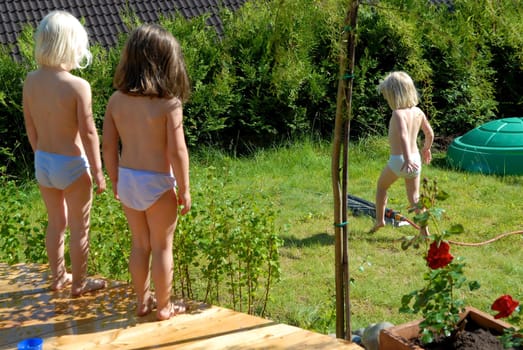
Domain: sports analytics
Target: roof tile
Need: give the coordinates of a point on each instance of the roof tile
(103, 18)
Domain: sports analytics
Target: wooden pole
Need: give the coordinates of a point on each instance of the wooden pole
(339, 186)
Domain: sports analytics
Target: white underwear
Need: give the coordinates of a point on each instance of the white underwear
(57, 170)
(139, 189)
(396, 162)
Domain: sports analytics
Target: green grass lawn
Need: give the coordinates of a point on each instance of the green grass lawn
(298, 180)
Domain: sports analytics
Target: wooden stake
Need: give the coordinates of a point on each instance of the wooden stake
(341, 138)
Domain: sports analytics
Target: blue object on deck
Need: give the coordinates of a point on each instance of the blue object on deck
(493, 148)
(30, 344)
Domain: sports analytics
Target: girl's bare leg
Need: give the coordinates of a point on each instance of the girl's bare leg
(54, 238)
(386, 179)
(78, 197)
(161, 220)
(412, 186)
(139, 261)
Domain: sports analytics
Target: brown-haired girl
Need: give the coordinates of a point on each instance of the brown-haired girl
(150, 173)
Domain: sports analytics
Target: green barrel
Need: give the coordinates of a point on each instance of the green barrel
(493, 148)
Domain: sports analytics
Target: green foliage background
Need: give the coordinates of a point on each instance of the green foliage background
(271, 77)
(272, 74)
(225, 250)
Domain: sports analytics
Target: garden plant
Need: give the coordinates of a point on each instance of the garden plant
(259, 124)
(440, 301)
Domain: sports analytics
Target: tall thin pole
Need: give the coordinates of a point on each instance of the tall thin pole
(339, 186)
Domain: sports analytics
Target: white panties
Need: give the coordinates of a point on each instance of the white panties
(139, 189)
(396, 162)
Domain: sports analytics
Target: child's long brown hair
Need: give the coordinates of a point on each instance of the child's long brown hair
(152, 64)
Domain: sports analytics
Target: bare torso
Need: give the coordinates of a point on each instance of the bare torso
(141, 123)
(404, 127)
(54, 110)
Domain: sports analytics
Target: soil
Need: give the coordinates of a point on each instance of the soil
(472, 337)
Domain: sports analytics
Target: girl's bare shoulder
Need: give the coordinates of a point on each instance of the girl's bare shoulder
(172, 103)
(418, 112)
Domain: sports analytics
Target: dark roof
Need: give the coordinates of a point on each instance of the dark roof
(103, 18)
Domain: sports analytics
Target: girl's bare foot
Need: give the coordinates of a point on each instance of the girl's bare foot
(169, 311)
(377, 227)
(146, 307)
(88, 285)
(62, 282)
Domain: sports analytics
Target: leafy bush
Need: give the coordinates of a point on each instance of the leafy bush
(14, 147)
(271, 75)
(226, 249)
(110, 238)
(22, 231)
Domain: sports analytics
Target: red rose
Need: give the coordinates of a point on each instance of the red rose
(505, 305)
(439, 255)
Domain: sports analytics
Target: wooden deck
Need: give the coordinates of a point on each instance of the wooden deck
(106, 320)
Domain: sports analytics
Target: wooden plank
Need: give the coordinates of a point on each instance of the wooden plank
(49, 313)
(106, 320)
(23, 278)
(193, 327)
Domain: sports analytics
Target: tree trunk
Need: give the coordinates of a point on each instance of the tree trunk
(339, 186)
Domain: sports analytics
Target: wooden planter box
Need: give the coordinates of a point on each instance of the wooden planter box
(398, 337)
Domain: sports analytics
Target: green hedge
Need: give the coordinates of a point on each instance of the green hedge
(272, 74)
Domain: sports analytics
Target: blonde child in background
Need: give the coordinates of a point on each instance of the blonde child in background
(145, 115)
(404, 126)
(62, 133)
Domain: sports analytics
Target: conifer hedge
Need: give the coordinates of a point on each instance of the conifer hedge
(271, 75)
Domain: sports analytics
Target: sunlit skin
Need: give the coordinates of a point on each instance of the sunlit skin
(149, 128)
(403, 129)
(58, 119)
(405, 124)
(151, 132)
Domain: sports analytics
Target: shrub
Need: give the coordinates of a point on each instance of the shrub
(271, 75)
(226, 249)
(22, 231)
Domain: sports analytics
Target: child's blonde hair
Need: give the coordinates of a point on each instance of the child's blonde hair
(152, 64)
(399, 90)
(61, 41)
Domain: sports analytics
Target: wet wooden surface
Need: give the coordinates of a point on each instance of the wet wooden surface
(106, 320)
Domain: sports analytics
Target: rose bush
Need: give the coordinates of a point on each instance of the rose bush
(438, 301)
(509, 308)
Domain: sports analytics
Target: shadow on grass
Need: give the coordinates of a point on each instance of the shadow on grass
(321, 238)
(325, 239)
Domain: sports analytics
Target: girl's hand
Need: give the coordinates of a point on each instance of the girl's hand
(184, 201)
(99, 179)
(409, 167)
(426, 155)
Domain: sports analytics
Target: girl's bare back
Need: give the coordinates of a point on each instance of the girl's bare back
(405, 123)
(55, 111)
(142, 124)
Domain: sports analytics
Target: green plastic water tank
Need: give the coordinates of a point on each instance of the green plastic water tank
(493, 148)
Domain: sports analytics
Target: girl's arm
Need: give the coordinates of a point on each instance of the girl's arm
(429, 139)
(110, 142)
(179, 156)
(28, 120)
(88, 132)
